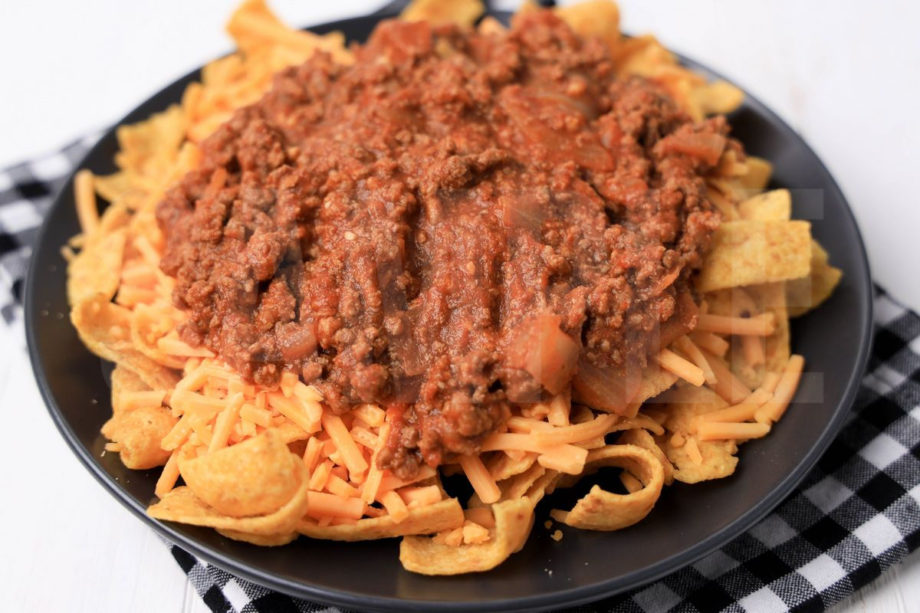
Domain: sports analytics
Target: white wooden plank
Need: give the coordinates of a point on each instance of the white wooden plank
(908, 583)
(69, 546)
(896, 591)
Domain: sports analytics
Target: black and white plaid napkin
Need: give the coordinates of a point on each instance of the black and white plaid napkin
(856, 514)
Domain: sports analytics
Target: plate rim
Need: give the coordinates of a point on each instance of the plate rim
(569, 596)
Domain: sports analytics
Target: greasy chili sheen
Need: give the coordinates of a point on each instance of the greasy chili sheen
(455, 222)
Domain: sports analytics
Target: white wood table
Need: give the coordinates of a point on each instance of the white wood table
(841, 73)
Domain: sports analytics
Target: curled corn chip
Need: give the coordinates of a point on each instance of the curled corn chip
(513, 521)
(151, 147)
(138, 434)
(774, 205)
(758, 173)
(718, 97)
(603, 510)
(752, 252)
(105, 329)
(124, 381)
(443, 515)
(97, 268)
(254, 477)
(256, 30)
(119, 187)
(641, 438)
(441, 12)
(594, 18)
(181, 505)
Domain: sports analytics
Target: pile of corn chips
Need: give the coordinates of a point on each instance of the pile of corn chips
(265, 465)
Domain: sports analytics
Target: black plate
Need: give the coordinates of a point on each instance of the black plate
(688, 522)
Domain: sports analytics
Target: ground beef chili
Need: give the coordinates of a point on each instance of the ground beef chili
(456, 222)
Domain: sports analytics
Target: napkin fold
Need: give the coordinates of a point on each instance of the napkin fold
(856, 514)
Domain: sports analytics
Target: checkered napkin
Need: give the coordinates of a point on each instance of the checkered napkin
(856, 514)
